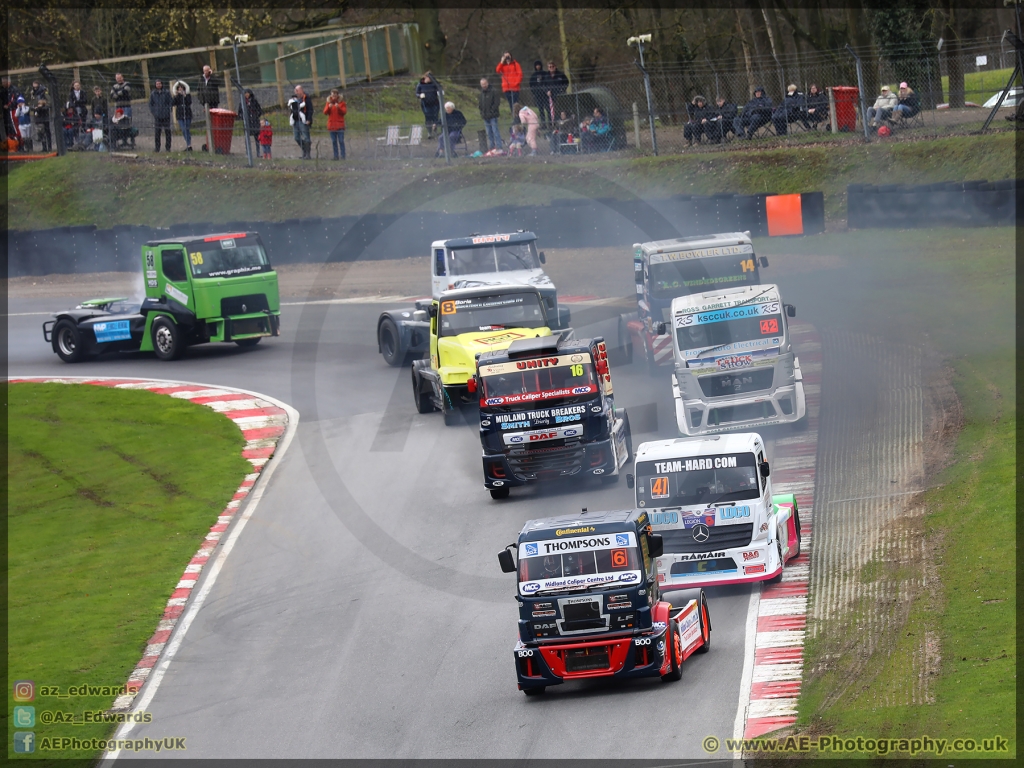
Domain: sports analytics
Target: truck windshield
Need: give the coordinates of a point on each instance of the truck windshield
(578, 562)
(227, 258)
(488, 313)
(669, 279)
(492, 257)
(697, 480)
(565, 377)
(758, 323)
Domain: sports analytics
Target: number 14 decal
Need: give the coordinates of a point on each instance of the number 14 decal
(747, 265)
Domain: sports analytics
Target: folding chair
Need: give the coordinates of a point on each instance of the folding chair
(414, 139)
(899, 122)
(390, 140)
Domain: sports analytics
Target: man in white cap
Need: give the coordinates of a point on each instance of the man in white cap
(883, 107)
(456, 121)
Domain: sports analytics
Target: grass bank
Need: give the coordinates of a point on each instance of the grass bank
(953, 292)
(84, 188)
(104, 513)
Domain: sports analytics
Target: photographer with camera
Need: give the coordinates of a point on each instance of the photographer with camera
(511, 80)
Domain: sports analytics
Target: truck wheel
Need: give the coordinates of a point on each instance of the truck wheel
(778, 577)
(248, 342)
(799, 538)
(422, 399)
(537, 691)
(390, 341)
(167, 341)
(500, 493)
(705, 625)
(449, 409)
(67, 342)
(675, 653)
(629, 438)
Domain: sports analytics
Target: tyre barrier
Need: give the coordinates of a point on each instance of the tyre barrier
(958, 204)
(563, 223)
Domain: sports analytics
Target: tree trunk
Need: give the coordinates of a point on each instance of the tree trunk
(742, 33)
(954, 58)
(432, 38)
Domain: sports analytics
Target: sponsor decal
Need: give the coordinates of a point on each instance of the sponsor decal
(529, 587)
(700, 556)
(752, 555)
(659, 487)
(582, 543)
(763, 528)
(700, 253)
(116, 330)
(151, 283)
(544, 413)
(228, 243)
(749, 569)
(694, 465)
(734, 361)
(622, 539)
(642, 519)
(150, 260)
(490, 341)
(151, 273)
(730, 513)
(554, 433)
(580, 582)
(560, 361)
(729, 313)
(570, 531)
(547, 394)
(542, 614)
(174, 293)
(491, 239)
(764, 298)
(530, 550)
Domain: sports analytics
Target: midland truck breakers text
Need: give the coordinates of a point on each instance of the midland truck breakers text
(590, 606)
(198, 289)
(547, 411)
(477, 261)
(665, 269)
(711, 500)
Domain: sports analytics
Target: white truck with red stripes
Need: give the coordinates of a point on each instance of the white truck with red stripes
(666, 269)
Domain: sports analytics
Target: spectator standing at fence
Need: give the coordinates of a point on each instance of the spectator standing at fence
(98, 107)
(160, 109)
(539, 91)
(335, 109)
(426, 92)
(121, 95)
(490, 109)
(38, 91)
(882, 108)
(511, 81)
(251, 115)
(266, 138)
(7, 126)
(817, 105)
(79, 102)
(208, 92)
(41, 117)
(792, 109)
(23, 117)
(456, 122)
(70, 128)
(907, 104)
(556, 83)
(300, 107)
(756, 113)
(182, 103)
(529, 119)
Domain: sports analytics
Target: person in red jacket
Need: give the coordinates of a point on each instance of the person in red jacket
(266, 137)
(335, 110)
(511, 79)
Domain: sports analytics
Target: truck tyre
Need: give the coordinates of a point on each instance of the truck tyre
(799, 538)
(248, 342)
(168, 343)
(705, 625)
(449, 409)
(778, 577)
(390, 342)
(422, 399)
(672, 648)
(536, 691)
(500, 493)
(67, 342)
(629, 438)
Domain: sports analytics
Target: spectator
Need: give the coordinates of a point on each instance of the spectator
(182, 103)
(756, 113)
(516, 139)
(557, 84)
(456, 121)
(209, 88)
(529, 119)
(98, 108)
(598, 134)
(511, 80)
(23, 117)
(908, 104)
(266, 138)
(539, 91)
(698, 125)
(426, 91)
(160, 109)
(252, 114)
(720, 124)
(78, 102)
(7, 126)
(300, 107)
(335, 109)
(792, 109)
(882, 108)
(41, 118)
(38, 91)
(121, 95)
(562, 131)
(817, 106)
(120, 129)
(490, 109)
(70, 127)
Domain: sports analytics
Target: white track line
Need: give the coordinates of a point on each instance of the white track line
(750, 636)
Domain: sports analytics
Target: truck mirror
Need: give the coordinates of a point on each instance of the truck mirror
(660, 329)
(432, 311)
(765, 469)
(630, 482)
(419, 315)
(656, 544)
(790, 310)
(763, 260)
(507, 563)
(471, 385)
(639, 275)
(543, 258)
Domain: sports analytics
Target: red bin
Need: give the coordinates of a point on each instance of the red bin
(846, 97)
(222, 123)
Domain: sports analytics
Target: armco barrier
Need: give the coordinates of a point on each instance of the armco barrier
(563, 223)
(957, 204)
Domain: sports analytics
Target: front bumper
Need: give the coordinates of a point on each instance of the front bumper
(757, 562)
(519, 467)
(538, 666)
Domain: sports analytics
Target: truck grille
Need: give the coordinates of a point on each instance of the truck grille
(559, 460)
(256, 302)
(737, 382)
(747, 412)
(681, 541)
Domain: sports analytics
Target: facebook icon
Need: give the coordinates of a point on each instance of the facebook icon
(24, 741)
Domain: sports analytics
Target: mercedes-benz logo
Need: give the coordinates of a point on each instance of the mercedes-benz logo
(701, 533)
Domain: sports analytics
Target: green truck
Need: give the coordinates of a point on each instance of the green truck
(199, 289)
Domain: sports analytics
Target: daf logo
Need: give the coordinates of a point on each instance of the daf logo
(701, 533)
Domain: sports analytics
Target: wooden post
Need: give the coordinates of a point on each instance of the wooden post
(387, 44)
(145, 77)
(366, 57)
(213, 66)
(341, 62)
(279, 74)
(833, 122)
(76, 73)
(312, 66)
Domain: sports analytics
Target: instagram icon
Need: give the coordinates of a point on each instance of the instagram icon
(24, 690)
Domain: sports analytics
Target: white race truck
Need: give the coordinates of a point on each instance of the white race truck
(711, 500)
(477, 261)
(734, 363)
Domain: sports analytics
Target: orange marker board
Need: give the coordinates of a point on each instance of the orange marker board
(785, 216)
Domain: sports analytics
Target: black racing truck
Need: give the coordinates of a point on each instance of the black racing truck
(198, 289)
(589, 603)
(547, 411)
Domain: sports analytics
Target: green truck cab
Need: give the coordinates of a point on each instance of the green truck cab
(200, 289)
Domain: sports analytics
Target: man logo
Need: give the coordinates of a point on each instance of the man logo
(530, 550)
(701, 533)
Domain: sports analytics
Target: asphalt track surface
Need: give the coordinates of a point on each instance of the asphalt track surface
(362, 613)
